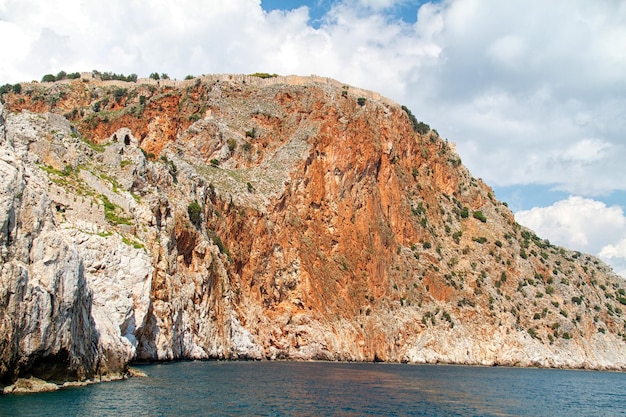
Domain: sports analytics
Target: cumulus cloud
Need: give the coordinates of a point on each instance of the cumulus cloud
(509, 51)
(615, 251)
(615, 255)
(583, 224)
(517, 85)
(587, 151)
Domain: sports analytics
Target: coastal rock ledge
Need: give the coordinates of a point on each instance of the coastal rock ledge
(236, 217)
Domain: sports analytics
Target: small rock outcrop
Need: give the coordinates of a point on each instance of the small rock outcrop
(292, 217)
(30, 385)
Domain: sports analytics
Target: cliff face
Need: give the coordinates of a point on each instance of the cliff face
(235, 217)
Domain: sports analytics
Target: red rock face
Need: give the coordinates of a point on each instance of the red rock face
(330, 229)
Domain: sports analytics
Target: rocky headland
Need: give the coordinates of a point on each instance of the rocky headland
(240, 217)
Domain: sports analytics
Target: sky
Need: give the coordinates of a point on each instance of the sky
(532, 92)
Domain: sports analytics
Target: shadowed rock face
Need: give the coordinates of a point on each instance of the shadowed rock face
(234, 217)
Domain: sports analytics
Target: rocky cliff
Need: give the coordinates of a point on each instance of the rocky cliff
(289, 217)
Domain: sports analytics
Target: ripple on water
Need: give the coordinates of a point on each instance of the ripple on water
(340, 389)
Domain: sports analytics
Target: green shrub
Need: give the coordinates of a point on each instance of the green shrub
(419, 127)
(455, 162)
(422, 128)
(577, 300)
(465, 302)
(361, 101)
(419, 210)
(119, 93)
(218, 242)
(107, 76)
(480, 216)
(94, 146)
(147, 155)
(48, 78)
(134, 244)
(110, 212)
(173, 170)
(251, 133)
(264, 75)
(67, 170)
(195, 213)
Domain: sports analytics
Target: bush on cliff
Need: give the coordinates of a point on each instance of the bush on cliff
(419, 127)
(195, 213)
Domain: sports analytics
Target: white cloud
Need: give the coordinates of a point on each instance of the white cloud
(582, 224)
(538, 59)
(615, 251)
(378, 4)
(532, 92)
(15, 49)
(508, 50)
(587, 151)
(615, 255)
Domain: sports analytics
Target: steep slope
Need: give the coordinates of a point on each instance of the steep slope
(290, 217)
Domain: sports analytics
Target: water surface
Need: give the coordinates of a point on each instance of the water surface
(335, 389)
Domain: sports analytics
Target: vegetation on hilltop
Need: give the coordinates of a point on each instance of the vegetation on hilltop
(264, 75)
(419, 127)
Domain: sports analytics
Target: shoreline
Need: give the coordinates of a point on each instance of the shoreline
(34, 385)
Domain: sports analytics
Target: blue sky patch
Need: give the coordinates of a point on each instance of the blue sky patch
(525, 197)
(406, 10)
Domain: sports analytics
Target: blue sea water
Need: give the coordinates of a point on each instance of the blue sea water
(335, 389)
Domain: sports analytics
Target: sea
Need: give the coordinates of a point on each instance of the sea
(276, 388)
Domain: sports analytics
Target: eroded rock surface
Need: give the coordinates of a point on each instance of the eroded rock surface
(235, 217)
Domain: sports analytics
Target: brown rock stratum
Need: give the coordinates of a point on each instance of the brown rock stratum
(290, 217)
